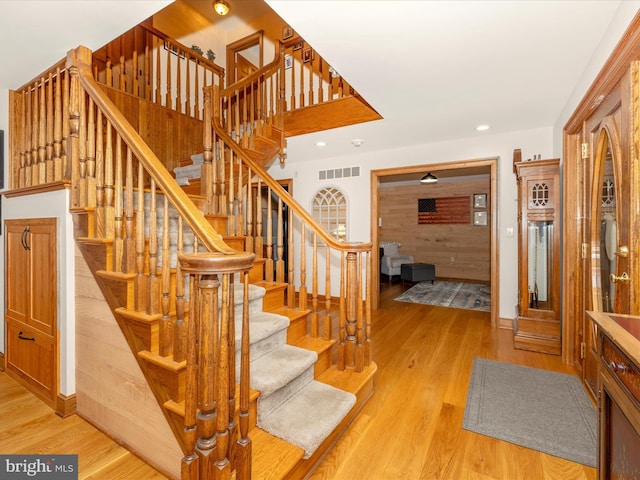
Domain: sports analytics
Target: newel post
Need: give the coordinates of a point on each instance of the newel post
(215, 445)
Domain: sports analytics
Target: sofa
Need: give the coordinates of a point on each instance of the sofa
(392, 260)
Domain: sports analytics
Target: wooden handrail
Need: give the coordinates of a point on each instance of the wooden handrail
(81, 59)
(287, 198)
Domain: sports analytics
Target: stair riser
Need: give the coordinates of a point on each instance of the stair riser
(266, 404)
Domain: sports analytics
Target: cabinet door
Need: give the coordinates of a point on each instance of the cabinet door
(31, 277)
(17, 270)
(43, 281)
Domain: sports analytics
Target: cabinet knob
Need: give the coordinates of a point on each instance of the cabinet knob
(623, 251)
(21, 337)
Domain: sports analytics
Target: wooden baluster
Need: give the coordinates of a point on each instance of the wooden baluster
(99, 148)
(57, 128)
(207, 170)
(368, 348)
(41, 175)
(320, 80)
(244, 120)
(50, 116)
(38, 135)
(351, 309)
(188, 102)
(153, 290)
(291, 289)
(25, 154)
(179, 83)
(327, 321)
(148, 87)
(231, 224)
(135, 83)
(158, 73)
(66, 90)
(118, 243)
(140, 281)
(82, 148)
(208, 386)
(223, 465)
(222, 171)
(239, 229)
(108, 67)
(230, 387)
(74, 126)
(31, 157)
(280, 245)
(302, 83)
(196, 103)
(215, 162)
(180, 326)
(129, 241)
(166, 327)
(302, 292)
(341, 364)
(269, 262)
(258, 241)
(359, 353)
(314, 317)
(249, 245)
(311, 76)
(109, 190)
(168, 100)
(190, 461)
(91, 157)
(122, 84)
(293, 83)
(243, 445)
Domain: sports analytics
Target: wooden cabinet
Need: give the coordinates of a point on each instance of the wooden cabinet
(31, 305)
(619, 395)
(537, 326)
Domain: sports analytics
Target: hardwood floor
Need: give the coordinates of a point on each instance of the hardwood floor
(410, 429)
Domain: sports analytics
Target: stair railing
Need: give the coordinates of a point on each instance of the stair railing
(354, 329)
(149, 64)
(127, 195)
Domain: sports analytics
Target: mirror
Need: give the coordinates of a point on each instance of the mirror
(605, 207)
(540, 268)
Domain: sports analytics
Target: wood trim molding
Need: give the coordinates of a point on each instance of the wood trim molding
(1, 361)
(506, 323)
(616, 65)
(485, 165)
(65, 405)
(45, 187)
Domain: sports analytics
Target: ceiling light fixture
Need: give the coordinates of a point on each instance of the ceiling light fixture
(429, 178)
(221, 7)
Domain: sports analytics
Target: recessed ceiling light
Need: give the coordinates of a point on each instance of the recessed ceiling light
(357, 142)
(321, 143)
(482, 128)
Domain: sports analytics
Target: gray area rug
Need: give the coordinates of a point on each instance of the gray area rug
(545, 411)
(468, 296)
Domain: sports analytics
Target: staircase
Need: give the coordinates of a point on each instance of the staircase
(256, 375)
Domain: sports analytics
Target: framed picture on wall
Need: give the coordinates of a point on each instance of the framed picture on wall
(287, 32)
(479, 200)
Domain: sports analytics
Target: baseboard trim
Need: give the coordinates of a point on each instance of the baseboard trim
(65, 406)
(506, 323)
(1, 361)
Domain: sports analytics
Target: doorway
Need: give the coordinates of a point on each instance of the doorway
(244, 57)
(462, 168)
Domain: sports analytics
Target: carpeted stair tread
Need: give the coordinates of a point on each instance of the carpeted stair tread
(267, 331)
(279, 367)
(309, 417)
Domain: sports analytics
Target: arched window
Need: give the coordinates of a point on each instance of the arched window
(330, 210)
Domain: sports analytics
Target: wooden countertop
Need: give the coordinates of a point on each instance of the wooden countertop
(623, 330)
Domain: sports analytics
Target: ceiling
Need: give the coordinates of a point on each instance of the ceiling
(437, 69)
(433, 69)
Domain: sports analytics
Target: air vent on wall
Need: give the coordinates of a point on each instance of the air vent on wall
(339, 173)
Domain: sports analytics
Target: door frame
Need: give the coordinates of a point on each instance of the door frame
(492, 164)
(255, 39)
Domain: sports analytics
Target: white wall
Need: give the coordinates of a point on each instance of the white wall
(358, 189)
